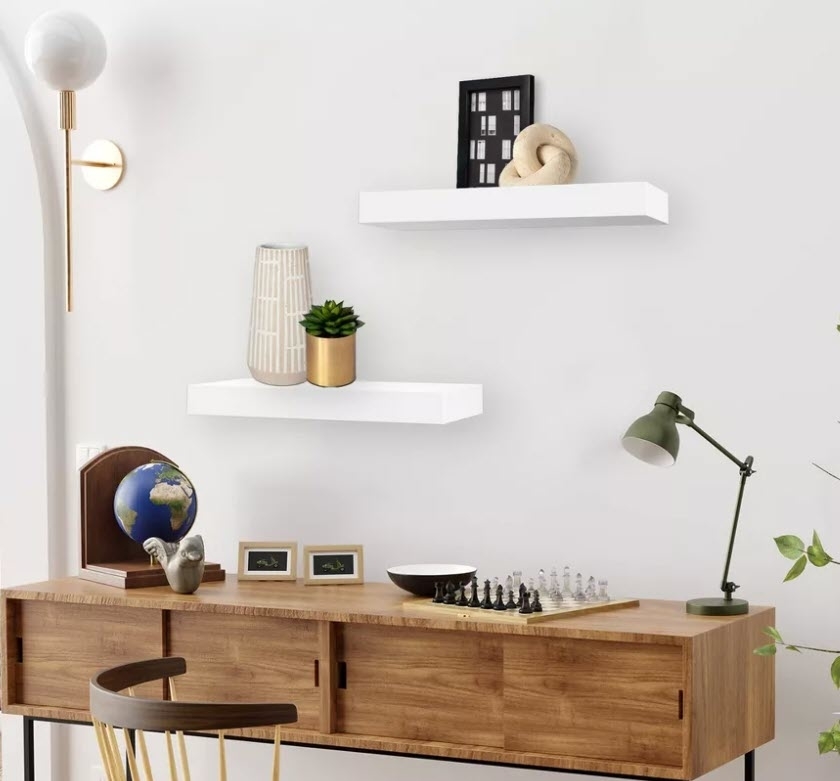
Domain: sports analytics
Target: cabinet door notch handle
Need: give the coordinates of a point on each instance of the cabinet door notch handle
(680, 705)
(342, 675)
(317, 673)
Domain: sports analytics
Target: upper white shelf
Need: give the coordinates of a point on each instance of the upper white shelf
(380, 402)
(619, 203)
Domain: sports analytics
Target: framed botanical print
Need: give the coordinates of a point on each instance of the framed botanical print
(332, 564)
(267, 561)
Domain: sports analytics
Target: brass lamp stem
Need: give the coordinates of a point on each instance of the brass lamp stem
(68, 216)
(67, 122)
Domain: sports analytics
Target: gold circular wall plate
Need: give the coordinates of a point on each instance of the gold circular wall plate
(102, 165)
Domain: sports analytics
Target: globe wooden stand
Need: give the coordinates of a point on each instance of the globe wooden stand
(109, 556)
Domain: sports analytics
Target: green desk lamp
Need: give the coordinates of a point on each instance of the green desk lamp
(654, 439)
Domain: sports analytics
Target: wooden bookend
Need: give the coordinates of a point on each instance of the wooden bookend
(110, 556)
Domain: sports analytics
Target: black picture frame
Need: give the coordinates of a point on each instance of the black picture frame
(471, 127)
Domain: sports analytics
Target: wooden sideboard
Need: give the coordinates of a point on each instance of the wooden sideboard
(647, 691)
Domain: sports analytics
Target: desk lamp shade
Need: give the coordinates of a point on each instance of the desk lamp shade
(65, 50)
(654, 438)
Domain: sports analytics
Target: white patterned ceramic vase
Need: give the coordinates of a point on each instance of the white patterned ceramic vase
(282, 296)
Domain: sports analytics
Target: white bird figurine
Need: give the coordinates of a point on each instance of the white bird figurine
(183, 562)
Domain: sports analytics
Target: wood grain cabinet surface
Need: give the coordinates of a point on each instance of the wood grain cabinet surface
(604, 700)
(646, 691)
(421, 684)
(248, 659)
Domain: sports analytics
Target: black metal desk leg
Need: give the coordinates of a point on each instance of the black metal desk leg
(749, 766)
(28, 748)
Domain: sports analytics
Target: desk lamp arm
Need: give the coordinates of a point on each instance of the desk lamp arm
(686, 418)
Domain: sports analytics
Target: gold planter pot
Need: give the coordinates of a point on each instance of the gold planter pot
(330, 363)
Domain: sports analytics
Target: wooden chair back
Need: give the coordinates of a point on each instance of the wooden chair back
(112, 710)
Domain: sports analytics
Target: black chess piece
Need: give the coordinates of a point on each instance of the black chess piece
(526, 603)
(438, 599)
(449, 598)
(499, 604)
(462, 596)
(486, 602)
(522, 591)
(474, 593)
(511, 603)
(537, 606)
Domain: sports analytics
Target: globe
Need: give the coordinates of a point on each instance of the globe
(155, 500)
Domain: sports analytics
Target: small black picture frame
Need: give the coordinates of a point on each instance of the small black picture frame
(491, 113)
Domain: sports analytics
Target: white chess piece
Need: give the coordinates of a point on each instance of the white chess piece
(566, 594)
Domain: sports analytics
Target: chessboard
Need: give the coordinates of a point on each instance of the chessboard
(551, 610)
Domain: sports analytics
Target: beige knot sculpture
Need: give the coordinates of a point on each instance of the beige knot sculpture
(542, 154)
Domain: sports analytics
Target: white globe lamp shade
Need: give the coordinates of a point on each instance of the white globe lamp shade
(65, 50)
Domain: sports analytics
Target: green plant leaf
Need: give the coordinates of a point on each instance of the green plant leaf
(793, 648)
(771, 631)
(825, 742)
(797, 569)
(789, 546)
(819, 558)
(835, 672)
(816, 542)
(766, 650)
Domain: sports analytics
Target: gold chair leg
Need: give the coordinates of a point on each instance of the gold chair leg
(275, 772)
(114, 765)
(129, 753)
(173, 773)
(182, 745)
(144, 755)
(144, 752)
(104, 750)
(222, 757)
(116, 758)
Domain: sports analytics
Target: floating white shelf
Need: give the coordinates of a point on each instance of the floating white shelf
(620, 203)
(380, 402)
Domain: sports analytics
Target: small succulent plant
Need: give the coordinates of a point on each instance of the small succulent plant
(331, 320)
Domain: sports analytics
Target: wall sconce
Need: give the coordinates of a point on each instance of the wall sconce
(67, 51)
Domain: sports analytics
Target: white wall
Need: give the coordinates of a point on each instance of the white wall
(247, 122)
(30, 404)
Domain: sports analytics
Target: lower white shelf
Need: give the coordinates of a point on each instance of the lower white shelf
(378, 402)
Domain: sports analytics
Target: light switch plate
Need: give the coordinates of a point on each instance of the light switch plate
(86, 451)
